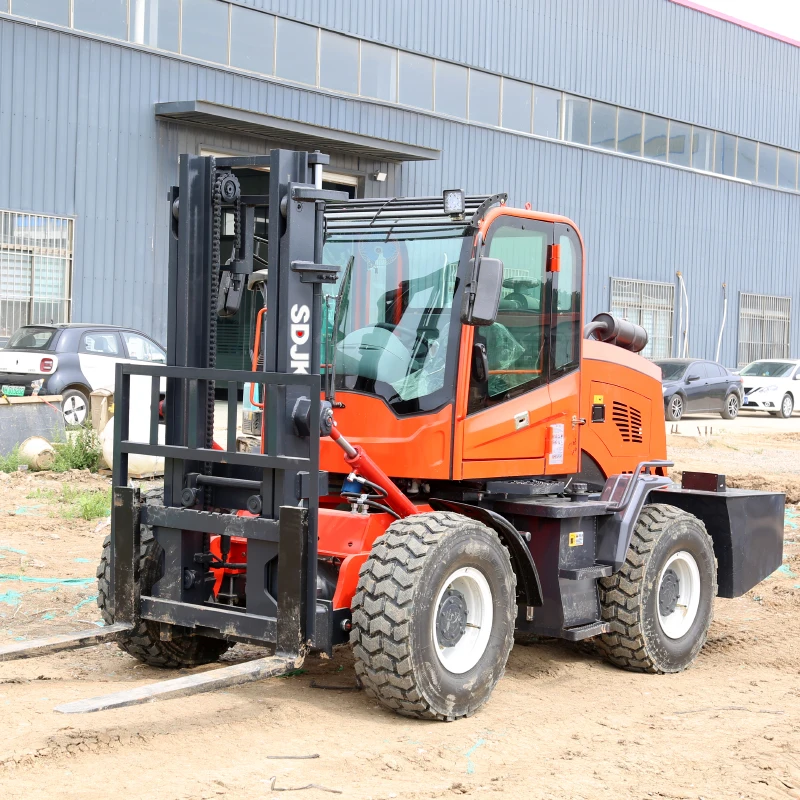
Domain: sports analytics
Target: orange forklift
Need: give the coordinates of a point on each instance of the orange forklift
(445, 456)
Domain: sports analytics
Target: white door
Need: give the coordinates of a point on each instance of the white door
(98, 353)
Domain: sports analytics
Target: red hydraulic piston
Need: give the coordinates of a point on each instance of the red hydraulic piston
(357, 459)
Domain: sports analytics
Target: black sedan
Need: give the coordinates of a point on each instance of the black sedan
(696, 386)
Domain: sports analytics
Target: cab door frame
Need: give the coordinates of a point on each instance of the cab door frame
(529, 413)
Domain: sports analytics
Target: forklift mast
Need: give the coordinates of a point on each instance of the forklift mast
(279, 487)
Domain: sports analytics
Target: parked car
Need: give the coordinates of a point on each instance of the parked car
(772, 385)
(72, 360)
(693, 385)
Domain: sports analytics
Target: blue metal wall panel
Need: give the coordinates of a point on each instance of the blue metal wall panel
(652, 55)
(78, 137)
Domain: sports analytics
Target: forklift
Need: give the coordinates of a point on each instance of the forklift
(439, 457)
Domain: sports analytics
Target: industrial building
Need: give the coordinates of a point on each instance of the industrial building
(669, 136)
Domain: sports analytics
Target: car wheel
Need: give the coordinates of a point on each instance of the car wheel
(787, 406)
(675, 408)
(75, 407)
(730, 410)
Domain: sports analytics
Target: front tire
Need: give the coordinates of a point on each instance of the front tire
(433, 616)
(145, 643)
(730, 409)
(787, 406)
(675, 408)
(661, 602)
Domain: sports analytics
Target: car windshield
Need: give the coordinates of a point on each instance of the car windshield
(31, 338)
(393, 334)
(671, 370)
(767, 369)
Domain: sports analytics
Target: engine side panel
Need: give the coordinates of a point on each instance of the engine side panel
(622, 404)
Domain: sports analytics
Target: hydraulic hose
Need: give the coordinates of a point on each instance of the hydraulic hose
(358, 460)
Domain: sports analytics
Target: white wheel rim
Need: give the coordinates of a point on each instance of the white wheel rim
(677, 405)
(733, 406)
(74, 410)
(787, 406)
(467, 651)
(678, 617)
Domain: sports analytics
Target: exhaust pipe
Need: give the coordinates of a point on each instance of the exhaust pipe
(613, 330)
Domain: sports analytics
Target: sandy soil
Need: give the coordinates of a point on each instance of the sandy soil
(561, 724)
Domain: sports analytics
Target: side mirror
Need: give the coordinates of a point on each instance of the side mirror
(482, 292)
(692, 378)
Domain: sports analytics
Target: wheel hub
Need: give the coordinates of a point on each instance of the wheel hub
(451, 618)
(669, 593)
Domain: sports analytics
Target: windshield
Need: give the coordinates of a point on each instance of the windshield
(671, 370)
(767, 369)
(31, 338)
(393, 335)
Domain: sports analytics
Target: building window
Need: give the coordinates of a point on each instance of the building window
(576, 120)
(252, 40)
(517, 98)
(725, 155)
(204, 30)
(104, 17)
(649, 304)
(746, 161)
(35, 270)
(767, 164)
(764, 326)
(451, 89)
(155, 23)
(378, 72)
(604, 126)
(297, 52)
(680, 149)
(416, 81)
(338, 62)
(655, 138)
(629, 132)
(702, 149)
(546, 112)
(787, 169)
(484, 97)
(56, 11)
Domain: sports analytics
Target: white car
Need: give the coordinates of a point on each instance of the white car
(772, 385)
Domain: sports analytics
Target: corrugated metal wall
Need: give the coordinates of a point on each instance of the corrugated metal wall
(78, 137)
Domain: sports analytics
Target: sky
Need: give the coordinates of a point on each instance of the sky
(779, 16)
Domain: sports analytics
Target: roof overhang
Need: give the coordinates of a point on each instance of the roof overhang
(300, 135)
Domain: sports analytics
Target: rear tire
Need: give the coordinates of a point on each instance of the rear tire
(787, 406)
(675, 408)
(145, 643)
(730, 408)
(661, 602)
(75, 407)
(433, 616)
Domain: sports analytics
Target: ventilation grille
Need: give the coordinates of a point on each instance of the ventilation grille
(629, 422)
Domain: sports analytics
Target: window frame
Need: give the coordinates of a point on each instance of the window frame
(479, 397)
(121, 349)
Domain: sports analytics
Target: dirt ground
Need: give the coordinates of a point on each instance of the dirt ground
(561, 724)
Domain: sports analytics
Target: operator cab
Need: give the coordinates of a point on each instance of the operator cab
(410, 348)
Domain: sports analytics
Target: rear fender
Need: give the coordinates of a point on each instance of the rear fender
(529, 588)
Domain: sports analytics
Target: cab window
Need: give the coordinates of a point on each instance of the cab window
(566, 344)
(517, 342)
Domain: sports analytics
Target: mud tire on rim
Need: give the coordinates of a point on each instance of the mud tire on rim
(395, 607)
(630, 598)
